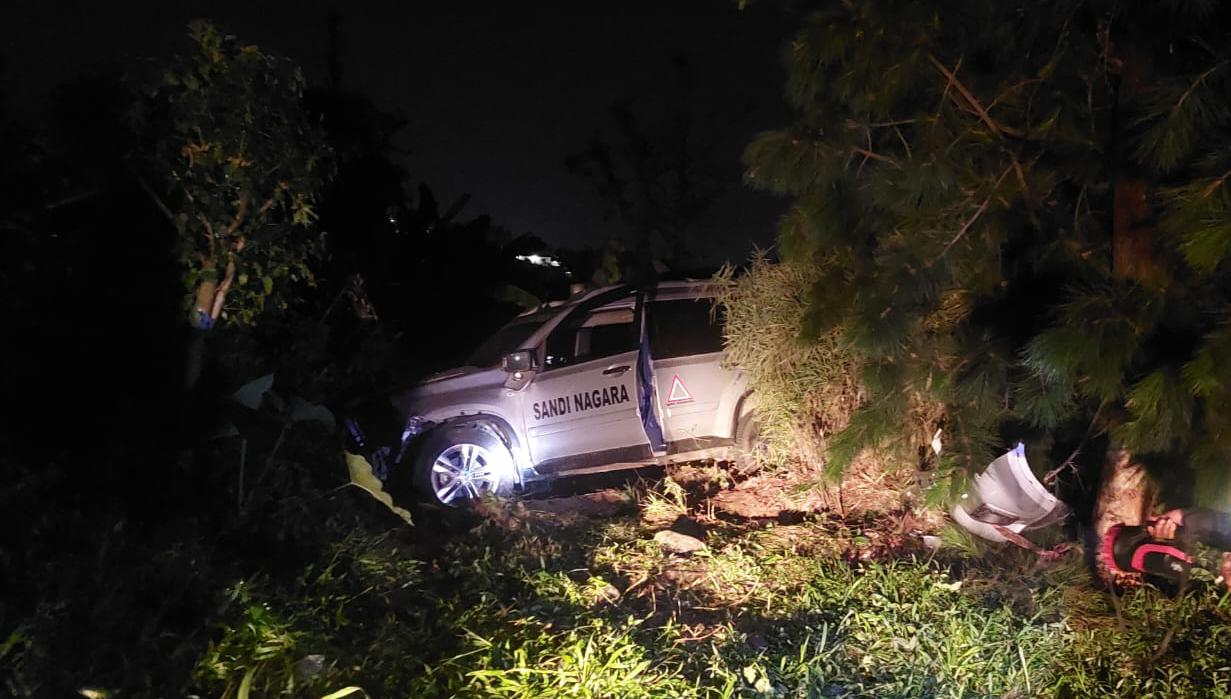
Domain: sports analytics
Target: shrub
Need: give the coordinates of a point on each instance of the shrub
(805, 390)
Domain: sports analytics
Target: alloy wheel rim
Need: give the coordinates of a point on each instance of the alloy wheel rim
(463, 472)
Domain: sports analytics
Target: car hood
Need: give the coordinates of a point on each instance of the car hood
(451, 387)
(449, 374)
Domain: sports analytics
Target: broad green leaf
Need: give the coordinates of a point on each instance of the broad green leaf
(345, 691)
(245, 685)
(303, 411)
(361, 475)
(251, 394)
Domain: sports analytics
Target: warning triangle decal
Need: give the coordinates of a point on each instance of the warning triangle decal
(678, 394)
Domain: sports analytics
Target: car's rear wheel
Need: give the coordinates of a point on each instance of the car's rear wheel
(749, 441)
(457, 465)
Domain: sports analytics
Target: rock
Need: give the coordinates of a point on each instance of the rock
(603, 503)
(689, 527)
(675, 542)
(308, 666)
(606, 592)
(757, 642)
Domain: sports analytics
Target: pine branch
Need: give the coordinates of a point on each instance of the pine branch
(909, 155)
(892, 124)
(971, 221)
(1174, 121)
(1212, 186)
(874, 156)
(1081, 194)
(951, 77)
(1194, 85)
(1000, 130)
(1028, 81)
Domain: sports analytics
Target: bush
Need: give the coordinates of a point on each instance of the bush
(805, 390)
(520, 608)
(342, 617)
(1107, 655)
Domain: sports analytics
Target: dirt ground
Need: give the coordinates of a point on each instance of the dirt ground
(725, 491)
(706, 530)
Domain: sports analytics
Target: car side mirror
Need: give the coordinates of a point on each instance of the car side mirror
(521, 360)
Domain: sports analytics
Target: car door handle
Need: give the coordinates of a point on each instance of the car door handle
(616, 370)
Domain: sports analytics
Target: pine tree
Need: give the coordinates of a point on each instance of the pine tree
(1021, 214)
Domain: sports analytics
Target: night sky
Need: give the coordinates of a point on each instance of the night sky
(496, 94)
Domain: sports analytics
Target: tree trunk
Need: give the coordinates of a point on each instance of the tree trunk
(1124, 491)
(1133, 224)
(1132, 237)
(1124, 497)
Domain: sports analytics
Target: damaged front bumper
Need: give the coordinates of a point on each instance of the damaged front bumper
(1007, 495)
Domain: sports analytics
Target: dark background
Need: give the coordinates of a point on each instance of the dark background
(125, 510)
(496, 95)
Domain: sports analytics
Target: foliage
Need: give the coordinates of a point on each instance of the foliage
(241, 165)
(1100, 659)
(956, 174)
(131, 532)
(804, 390)
(300, 643)
(518, 607)
(140, 582)
(656, 176)
(128, 569)
(340, 595)
(395, 251)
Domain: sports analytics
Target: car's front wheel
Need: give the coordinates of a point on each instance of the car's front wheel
(459, 464)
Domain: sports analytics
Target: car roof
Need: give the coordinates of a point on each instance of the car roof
(675, 288)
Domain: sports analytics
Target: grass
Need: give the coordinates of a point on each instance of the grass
(518, 605)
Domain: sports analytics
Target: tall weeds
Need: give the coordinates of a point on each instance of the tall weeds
(805, 390)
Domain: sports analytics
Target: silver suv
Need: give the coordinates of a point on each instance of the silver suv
(612, 378)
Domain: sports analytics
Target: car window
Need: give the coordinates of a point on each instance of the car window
(594, 335)
(505, 340)
(684, 327)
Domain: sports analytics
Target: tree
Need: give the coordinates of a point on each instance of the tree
(423, 266)
(979, 183)
(655, 176)
(237, 165)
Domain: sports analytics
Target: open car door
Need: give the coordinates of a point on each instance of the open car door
(647, 398)
(582, 408)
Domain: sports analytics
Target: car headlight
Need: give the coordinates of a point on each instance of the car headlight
(415, 426)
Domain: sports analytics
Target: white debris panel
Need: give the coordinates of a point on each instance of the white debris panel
(1007, 495)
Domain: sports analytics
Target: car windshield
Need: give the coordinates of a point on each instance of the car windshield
(505, 340)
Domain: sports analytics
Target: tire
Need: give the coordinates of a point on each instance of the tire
(457, 465)
(750, 448)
